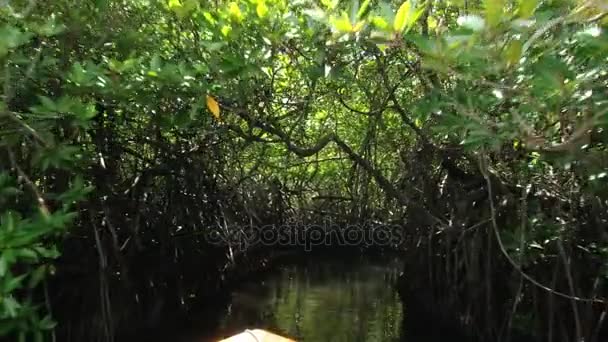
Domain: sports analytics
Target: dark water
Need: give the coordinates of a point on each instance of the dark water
(326, 300)
(314, 299)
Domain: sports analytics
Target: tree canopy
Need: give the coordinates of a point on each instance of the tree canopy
(121, 116)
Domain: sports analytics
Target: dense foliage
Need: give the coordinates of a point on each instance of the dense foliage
(478, 126)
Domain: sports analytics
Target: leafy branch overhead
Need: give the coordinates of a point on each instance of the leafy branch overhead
(127, 124)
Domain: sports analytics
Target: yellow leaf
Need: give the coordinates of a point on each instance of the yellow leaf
(209, 17)
(235, 11)
(178, 8)
(173, 4)
(213, 107)
(432, 23)
(402, 15)
(380, 23)
(226, 30)
(358, 26)
(261, 9)
(342, 24)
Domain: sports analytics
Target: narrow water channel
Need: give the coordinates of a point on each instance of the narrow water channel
(322, 300)
(312, 299)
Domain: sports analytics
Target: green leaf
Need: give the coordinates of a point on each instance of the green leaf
(401, 19)
(183, 8)
(191, 5)
(342, 24)
(7, 186)
(26, 255)
(10, 306)
(363, 9)
(12, 283)
(37, 276)
(436, 65)
(49, 28)
(47, 323)
(526, 8)
(101, 4)
(81, 76)
(494, 11)
(156, 63)
(64, 104)
(77, 191)
(412, 19)
(60, 157)
(12, 38)
(48, 104)
(513, 52)
(380, 23)
(3, 266)
(261, 9)
(330, 4)
(58, 220)
(9, 221)
(47, 252)
(84, 111)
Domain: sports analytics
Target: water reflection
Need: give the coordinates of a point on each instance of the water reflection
(321, 301)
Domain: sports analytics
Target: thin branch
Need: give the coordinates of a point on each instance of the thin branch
(384, 183)
(485, 172)
(552, 23)
(41, 202)
(381, 109)
(14, 117)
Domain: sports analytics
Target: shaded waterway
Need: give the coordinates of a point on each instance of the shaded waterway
(322, 300)
(310, 298)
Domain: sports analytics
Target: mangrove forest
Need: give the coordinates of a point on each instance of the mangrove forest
(324, 170)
